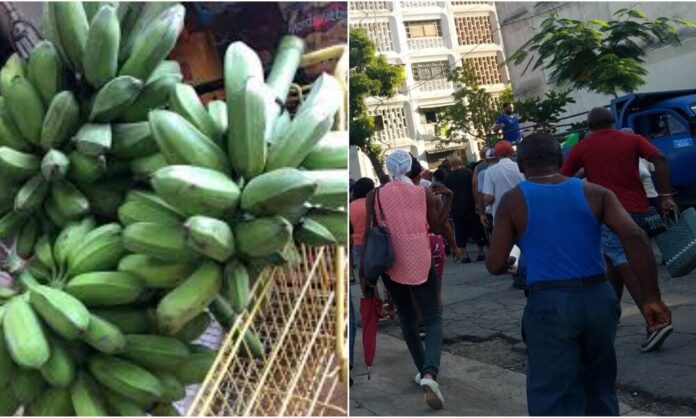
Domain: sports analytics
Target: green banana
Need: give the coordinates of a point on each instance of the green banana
(31, 195)
(70, 202)
(91, 8)
(53, 402)
(195, 327)
(262, 236)
(73, 27)
(61, 121)
(156, 352)
(235, 285)
(280, 128)
(86, 169)
(49, 30)
(26, 241)
(333, 188)
(25, 338)
(119, 405)
(55, 165)
(14, 67)
(104, 336)
(126, 379)
(295, 215)
(313, 233)
(311, 123)
(241, 64)
(182, 143)
(196, 368)
(105, 288)
(10, 223)
(105, 198)
(285, 64)
(128, 320)
(143, 206)
(162, 241)
(86, 397)
(7, 366)
(44, 251)
(114, 98)
(172, 389)
(196, 191)
(189, 299)
(63, 313)
(154, 43)
(277, 191)
(27, 385)
(70, 238)
(154, 95)
(253, 347)
(59, 370)
(330, 152)
(18, 166)
(246, 139)
(148, 13)
(222, 311)
(100, 250)
(209, 237)
(132, 140)
(10, 136)
(155, 273)
(145, 167)
(184, 101)
(217, 110)
(102, 46)
(45, 70)
(93, 139)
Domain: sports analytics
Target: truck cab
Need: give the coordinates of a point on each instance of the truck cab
(668, 120)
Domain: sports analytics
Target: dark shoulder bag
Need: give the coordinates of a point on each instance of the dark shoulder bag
(379, 254)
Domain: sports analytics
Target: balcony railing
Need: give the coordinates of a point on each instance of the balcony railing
(421, 4)
(392, 136)
(370, 6)
(425, 43)
(438, 84)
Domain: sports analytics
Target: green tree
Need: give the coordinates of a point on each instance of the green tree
(370, 76)
(544, 112)
(604, 57)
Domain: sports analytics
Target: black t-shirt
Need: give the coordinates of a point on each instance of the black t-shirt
(459, 181)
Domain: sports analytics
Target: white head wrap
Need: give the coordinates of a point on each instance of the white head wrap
(398, 165)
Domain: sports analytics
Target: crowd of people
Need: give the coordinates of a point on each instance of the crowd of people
(578, 223)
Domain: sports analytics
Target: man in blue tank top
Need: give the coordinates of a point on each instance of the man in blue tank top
(569, 323)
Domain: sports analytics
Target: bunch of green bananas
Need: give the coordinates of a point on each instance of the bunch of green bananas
(141, 213)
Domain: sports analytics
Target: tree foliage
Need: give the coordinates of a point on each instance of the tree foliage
(370, 75)
(604, 57)
(544, 112)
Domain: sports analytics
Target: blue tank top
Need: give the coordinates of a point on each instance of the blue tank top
(562, 238)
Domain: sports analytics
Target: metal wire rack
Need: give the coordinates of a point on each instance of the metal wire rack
(299, 314)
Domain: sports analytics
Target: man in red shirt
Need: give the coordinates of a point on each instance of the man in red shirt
(610, 158)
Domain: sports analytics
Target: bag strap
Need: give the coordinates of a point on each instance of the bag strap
(379, 203)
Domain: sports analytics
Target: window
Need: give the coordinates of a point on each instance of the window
(379, 123)
(423, 71)
(430, 116)
(693, 108)
(656, 125)
(423, 29)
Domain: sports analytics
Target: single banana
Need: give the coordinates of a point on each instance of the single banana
(86, 397)
(59, 370)
(162, 241)
(105, 288)
(262, 236)
(277, 191)
(132, 140)
(94, 139)
(84, 169)
(55, 165)
(101, 48)
(104, 336)
(100, 250)
(69, 201)
(26, 108)
(209, 237)
(45, 70)
(73, 27)
(31, 195)
(126, 379)
(64, 313)
(155, 273)
(115, 97)
(18, 166)
(61, 122)
(235, 285)
(25, 338)
(185, 101)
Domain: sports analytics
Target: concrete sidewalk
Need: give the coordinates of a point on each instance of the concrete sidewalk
(469, 387)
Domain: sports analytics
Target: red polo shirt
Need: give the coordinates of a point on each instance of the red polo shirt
(610, 159)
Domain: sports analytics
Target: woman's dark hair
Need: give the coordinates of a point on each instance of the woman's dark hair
(439, 175)
(416, 168)
(539, 150)
(362, 187)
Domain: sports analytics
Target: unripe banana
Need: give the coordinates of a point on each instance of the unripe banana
(53, 402)
(7, 366)
(18, 166)
(196, 368)
(31, 195)
(84, 169)
(210, 237)
(25, 338)
(154, 95)
(262, 236)
(14, 67)
(235, 286)
(246, 139)
(59, 370)
(27, 385)
(154, 201)
(26, 241)
(155, 273)
(185, 101)
(129, 320)
(73, 27)
(100, 250)
(105, 198)
(196, 190)
(86, 397)
(148, 13)
(277, 191)
(44, 252)
(145, 167)
(194, 328)
(101, 49)
(253, 347)
(189, 299)
(154, 43)
(182, 143)
(49, 30)
(10, 223)
(55, 165)
(114, 98)
(147, 207)
(121, 406)
(162, 241)
(64, 313)
(69, 238)
(105, 288)
(70, 202)
(104, 336)
(333, 188)
(313, 233)
(333, 220)
(329, 153)
(62, 119)
(285, 65)
(172, 389)
(93, 139)
(217, 110)
(280, 128)
(156, 352)
(10, 136)
(126, 378)
(132, 140)
(45, 70)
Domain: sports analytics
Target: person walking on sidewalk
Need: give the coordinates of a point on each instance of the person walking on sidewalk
(569, 323)
(408, 212)
(466, 226)
(610, 159)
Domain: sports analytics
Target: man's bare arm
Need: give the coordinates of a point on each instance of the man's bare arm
(503, 237)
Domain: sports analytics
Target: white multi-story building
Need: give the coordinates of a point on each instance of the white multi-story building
(428, 38)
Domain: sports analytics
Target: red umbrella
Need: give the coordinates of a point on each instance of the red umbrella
(369, 314)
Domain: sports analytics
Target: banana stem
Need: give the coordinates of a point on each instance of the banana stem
(27, 280)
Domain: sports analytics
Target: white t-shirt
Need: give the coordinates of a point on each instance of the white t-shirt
(645, 168)
(501, 178)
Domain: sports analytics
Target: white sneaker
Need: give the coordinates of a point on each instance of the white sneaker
(417, 379)
(433, 397)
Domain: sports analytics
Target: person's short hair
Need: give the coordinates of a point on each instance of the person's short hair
(506, 104)
(504, 149)
(384, 179)
(416, 168)
(599, 118)
(439, 175)
(539, 150)
(362, 187)
(483, 151)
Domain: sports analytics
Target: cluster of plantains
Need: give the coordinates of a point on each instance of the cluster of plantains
(138, 214)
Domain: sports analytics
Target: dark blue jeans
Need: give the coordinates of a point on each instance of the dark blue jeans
(427, 360)
(570, 349)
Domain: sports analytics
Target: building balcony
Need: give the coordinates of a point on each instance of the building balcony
(426, 43)
(426, 132)
(421, 4)
(370, 7)
(440, 85)
(394, 137)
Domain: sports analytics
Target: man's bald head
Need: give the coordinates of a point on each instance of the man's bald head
(599, 118)
(455, 162)
(483, 152)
